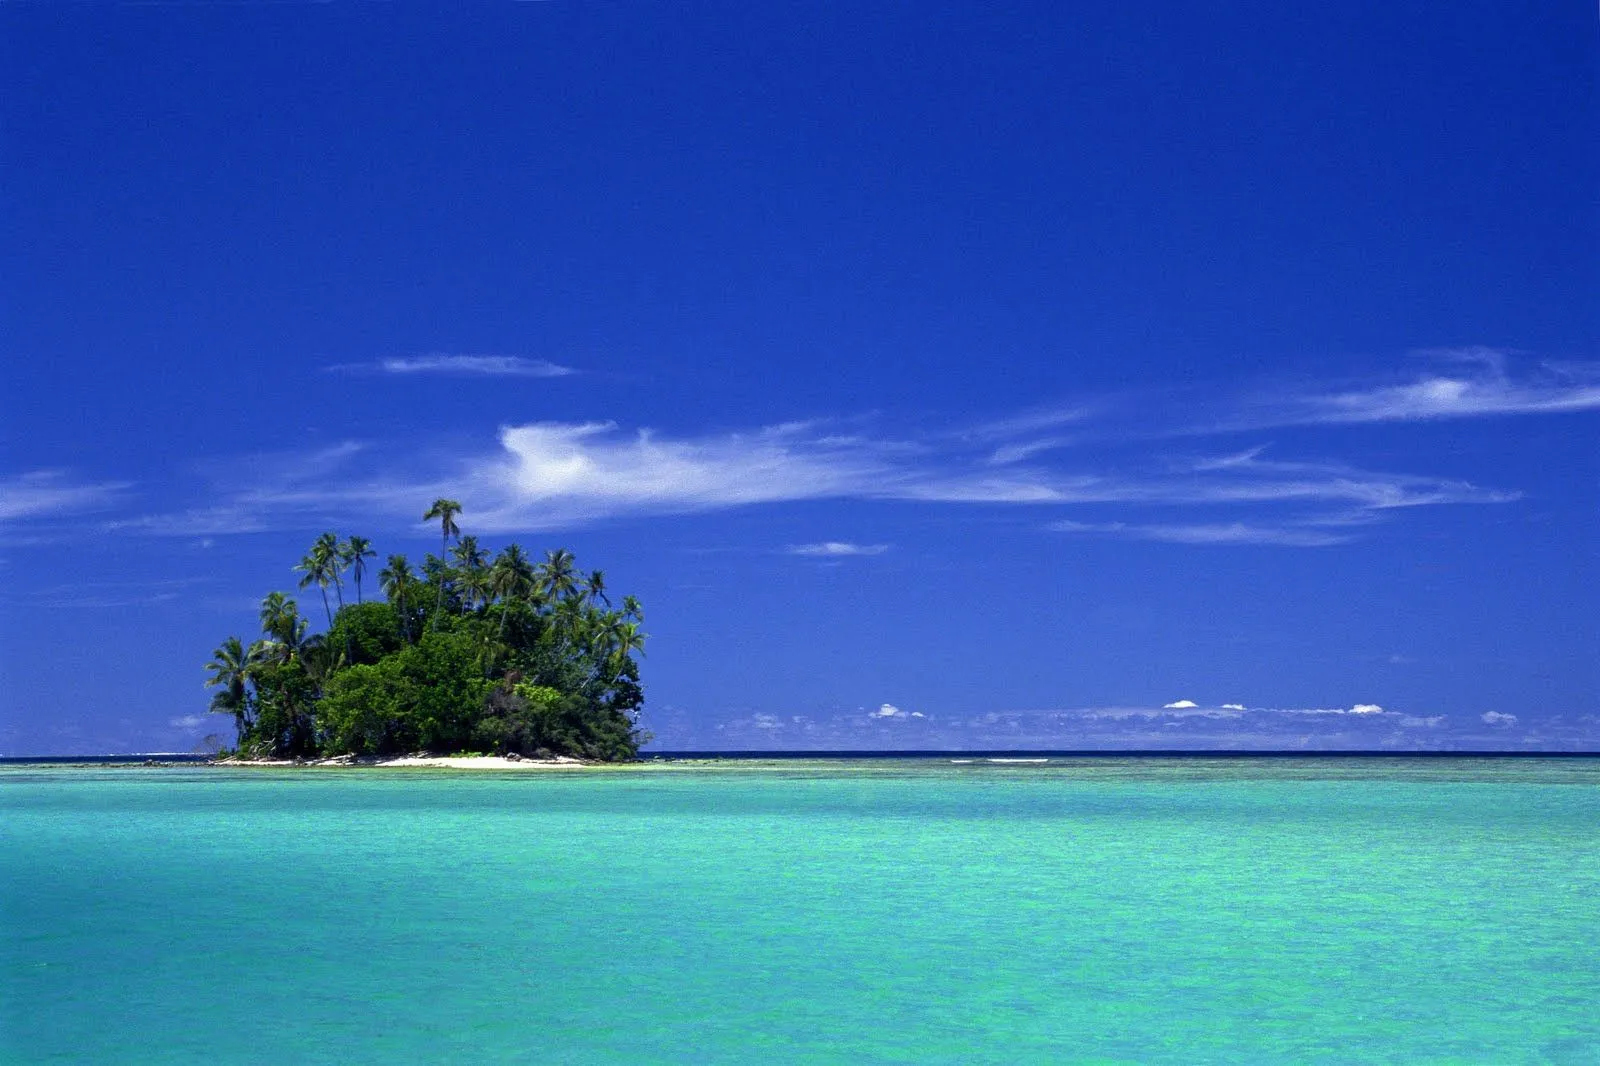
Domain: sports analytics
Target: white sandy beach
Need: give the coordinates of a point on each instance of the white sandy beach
(436, 762)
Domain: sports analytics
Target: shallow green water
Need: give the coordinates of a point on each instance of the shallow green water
(1141, 911)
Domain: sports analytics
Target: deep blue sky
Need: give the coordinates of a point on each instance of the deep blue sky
(938, 375)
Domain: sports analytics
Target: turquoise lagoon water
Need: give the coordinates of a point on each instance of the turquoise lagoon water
(1083, 910)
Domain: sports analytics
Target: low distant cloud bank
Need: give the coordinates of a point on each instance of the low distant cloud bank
(460, 365)
(1182, 725)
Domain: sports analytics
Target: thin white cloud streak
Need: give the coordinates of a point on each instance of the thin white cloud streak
(51, 493)
(460, 366)
(1007, 454)
(1483, 389)
(835, 549)
(274, 491)
(105, 594)
(1213, 533)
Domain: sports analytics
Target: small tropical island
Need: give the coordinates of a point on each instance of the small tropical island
(495, 656)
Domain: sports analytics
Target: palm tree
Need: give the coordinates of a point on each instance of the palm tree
(395, 579)
(615, 640)
(512, 575)
(354, 554)
(557, 573)
(475, 587)
(631, 609)
(510, 578)
(232, 668)
(594, 587)
(320, 658)
(318, 567)
(331, 552)
(468, 555)
(281, 622)
(445, 511)
(621, 637)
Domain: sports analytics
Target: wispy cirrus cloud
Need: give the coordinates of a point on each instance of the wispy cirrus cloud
(1209, 533)
(562, 472)
(268, 491)
(1472, 383)
(52, 493)
(555, 475)
(836, 549)
(444, 363)
(100, 595)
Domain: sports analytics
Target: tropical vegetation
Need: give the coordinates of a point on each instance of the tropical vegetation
(472, 651)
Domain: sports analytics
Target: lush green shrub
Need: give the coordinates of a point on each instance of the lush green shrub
(365, 633)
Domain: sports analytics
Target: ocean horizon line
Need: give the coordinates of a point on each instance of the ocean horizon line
(849, 754)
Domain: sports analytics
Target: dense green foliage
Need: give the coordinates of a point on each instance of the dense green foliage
(474, 653)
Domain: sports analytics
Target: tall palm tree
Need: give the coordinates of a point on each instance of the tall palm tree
(557, 573)
(318, 567)
(510, 578)
(512, 575)
(331, 552)
(395, 579)
(594, 587)
(445, 511)
(468, 555)
(631, 609)
(354, 553)
(232, 669)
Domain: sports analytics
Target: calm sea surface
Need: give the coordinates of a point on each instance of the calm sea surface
(1082, 910)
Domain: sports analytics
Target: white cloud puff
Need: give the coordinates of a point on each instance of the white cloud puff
(188, 721)
(1233, 706)
(1497, 718)
(1180, 705)
(1366, 708)
(889, 710)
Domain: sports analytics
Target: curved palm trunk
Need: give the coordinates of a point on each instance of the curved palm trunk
(325, 607)
(444, 554)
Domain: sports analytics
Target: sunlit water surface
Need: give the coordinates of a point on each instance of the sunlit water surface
(1083, 910)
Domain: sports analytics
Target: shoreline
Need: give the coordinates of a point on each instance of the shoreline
(421, 761)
